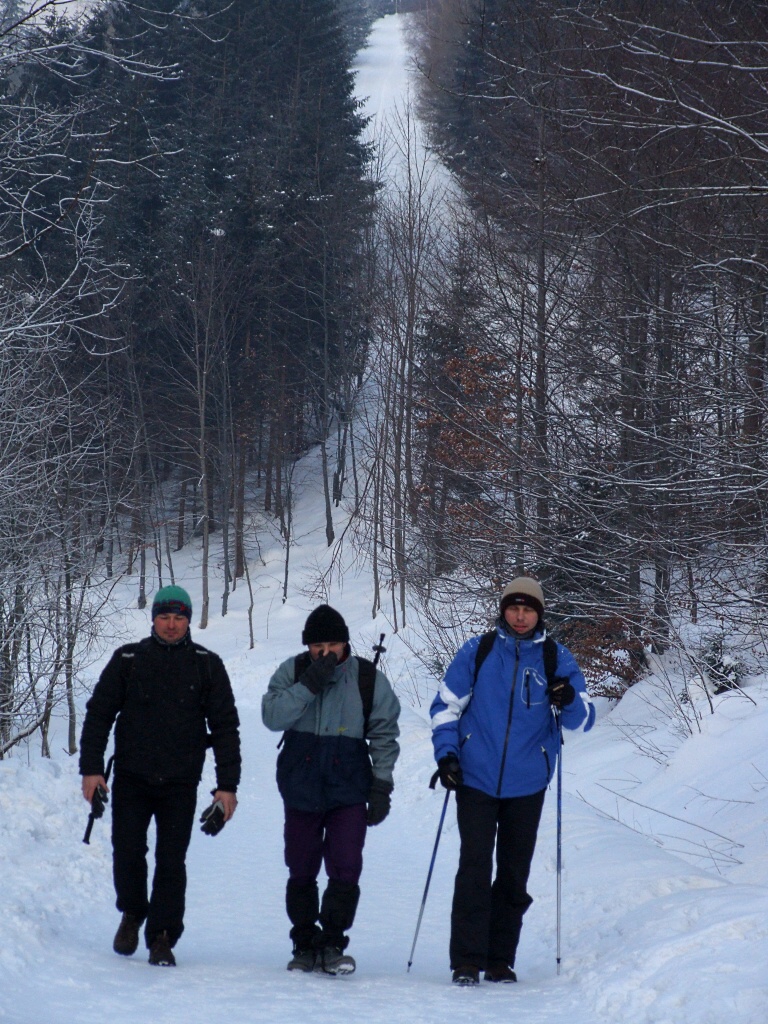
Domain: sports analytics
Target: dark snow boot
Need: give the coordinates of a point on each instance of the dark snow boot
(303, 960)
(160, 952)
(336, 916)
(333, 960)
(466, 975)
(337, 912)
(500, 972)
(126, 940)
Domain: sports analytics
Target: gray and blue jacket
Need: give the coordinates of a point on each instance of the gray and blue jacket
(326, 761)
(501, 726)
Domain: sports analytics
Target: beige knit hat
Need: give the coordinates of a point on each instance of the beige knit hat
(523, 590)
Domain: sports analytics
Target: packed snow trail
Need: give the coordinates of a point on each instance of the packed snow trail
(233, 955)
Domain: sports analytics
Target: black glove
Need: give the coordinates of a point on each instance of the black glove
(449, 770)
(379, 801)
(318, 675)
(98, 801)
(213, 819)
(561, 693)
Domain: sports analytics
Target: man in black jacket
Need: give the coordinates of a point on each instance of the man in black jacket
(167, 693)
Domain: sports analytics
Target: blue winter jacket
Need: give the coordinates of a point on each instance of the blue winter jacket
(501, 725)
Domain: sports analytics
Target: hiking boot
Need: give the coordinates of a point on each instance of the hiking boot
(332, 960)
(466, 975)
(501, 973)
(303, 960)
(160, 952)
(126, 940)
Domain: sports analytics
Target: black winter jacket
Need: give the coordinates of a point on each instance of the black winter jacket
(163, 697)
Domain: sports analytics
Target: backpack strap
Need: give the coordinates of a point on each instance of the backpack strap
(549, 652)
(127, 661)
(366, 681)
(482, 652)
(205, 682)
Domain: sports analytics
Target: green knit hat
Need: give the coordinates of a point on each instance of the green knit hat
(173, 601)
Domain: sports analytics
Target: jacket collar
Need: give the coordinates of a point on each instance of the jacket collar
(538, 637)
(185, 640)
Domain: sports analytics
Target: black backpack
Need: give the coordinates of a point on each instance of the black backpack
(366, 680)
(550, 656)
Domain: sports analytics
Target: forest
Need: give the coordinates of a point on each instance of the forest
(533, 342)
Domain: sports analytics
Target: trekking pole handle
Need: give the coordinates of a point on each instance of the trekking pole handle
(379, 649)
(92, 816)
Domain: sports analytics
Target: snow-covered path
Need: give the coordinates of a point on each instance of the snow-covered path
(232, 957)
(648, 937)
(636, 921)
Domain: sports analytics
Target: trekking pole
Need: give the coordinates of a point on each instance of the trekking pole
(431, 866)
(379, 649)
(559, 831)
(97, 804)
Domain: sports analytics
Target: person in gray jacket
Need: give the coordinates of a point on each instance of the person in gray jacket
(339, 715)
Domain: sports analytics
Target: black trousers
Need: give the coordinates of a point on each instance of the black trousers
(486, 917)
(134, 803)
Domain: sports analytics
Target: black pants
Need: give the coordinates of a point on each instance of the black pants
(134, 803)
(486, 917)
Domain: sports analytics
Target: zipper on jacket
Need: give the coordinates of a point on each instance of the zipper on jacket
(509, 717)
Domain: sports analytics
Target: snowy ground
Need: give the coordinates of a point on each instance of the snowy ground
(665, 872)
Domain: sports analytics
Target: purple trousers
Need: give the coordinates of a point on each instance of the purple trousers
(335, 838)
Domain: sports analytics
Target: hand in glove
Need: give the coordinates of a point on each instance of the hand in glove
(379, 801)
(318, 675)
(449, 770)
(98, 801)
(213, 819)
(561, 694)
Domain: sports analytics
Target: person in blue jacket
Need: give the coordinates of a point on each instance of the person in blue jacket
(496, 741)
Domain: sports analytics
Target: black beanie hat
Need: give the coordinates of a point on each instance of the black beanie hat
(325, 626)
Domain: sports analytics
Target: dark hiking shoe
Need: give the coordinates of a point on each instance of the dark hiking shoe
(126, 940)
(332, 960)
(303, 960)
(160, 952)
(501, 973)
(466, 976)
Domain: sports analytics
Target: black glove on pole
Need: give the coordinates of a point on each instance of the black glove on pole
(318, 675)
(379, 801)
(561, 693)
(449, 771)
(98, 802)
